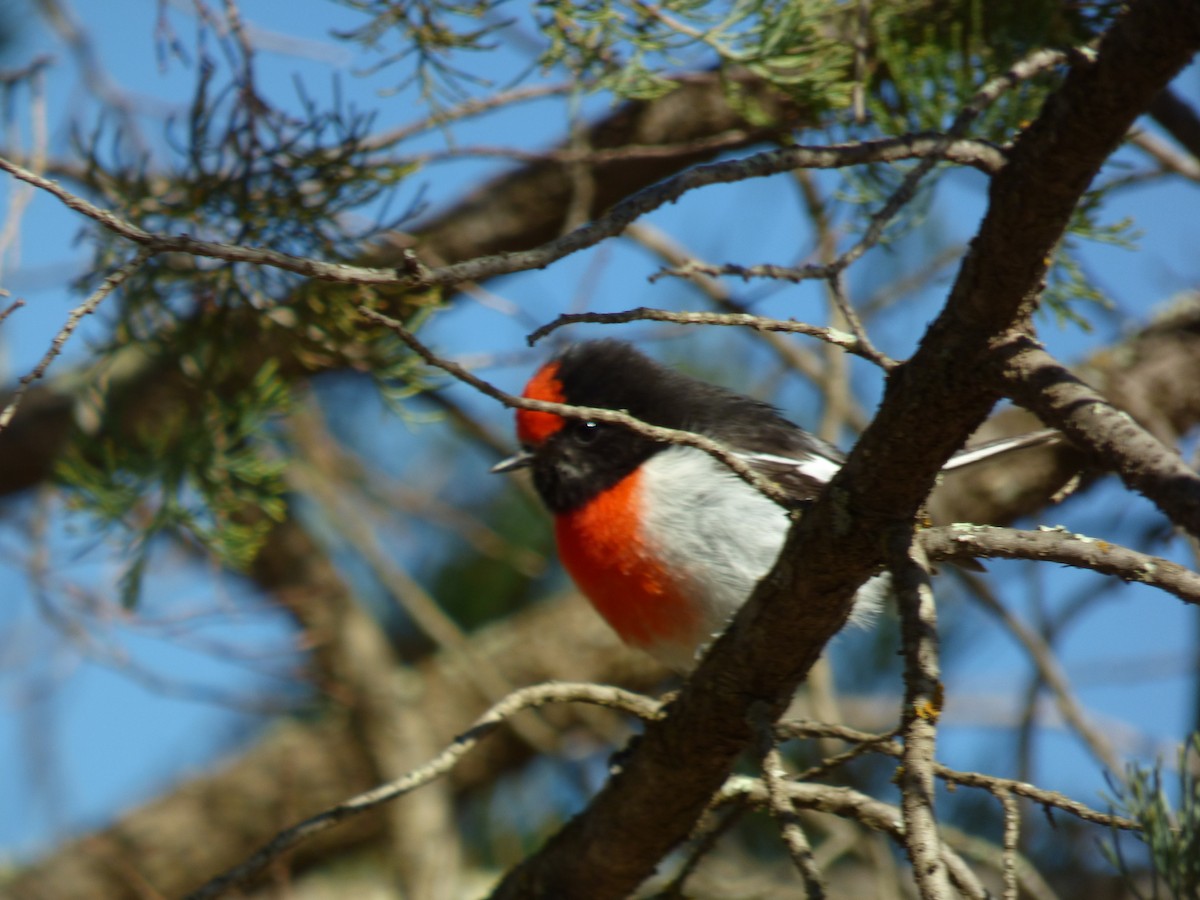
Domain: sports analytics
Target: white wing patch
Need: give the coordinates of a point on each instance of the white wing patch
(819, 468)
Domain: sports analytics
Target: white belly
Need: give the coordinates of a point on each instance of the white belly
(723, 537)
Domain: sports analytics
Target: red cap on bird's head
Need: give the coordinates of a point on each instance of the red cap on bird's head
(535, 428)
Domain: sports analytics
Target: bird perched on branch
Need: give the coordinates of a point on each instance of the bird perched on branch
(665, 540)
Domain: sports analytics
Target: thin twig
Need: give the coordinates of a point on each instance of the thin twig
(929, 148)
(858, 748)
(11, 308)
(980, 154)
(1012, 833)
(759, 165)
(664, 246)
(847, 342)
(11, 77)
(866, 348)
(182, 243)
(794, 839)
(880, 743)
(1051, 674)
(467, 109)
(834, 381)
(86, 308)
(849, 804)
(525, 698)
(922, 708)
(612, 223)
(937, 150)
(19, 199)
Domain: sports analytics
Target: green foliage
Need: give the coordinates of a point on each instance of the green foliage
(223, 342)
(429, 35)
(627, 48)
(630, 48)
(1171, 836)
(1067, 286)
(247, 174)
(201, 473)
(930, 58)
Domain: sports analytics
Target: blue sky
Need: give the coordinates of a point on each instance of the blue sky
(80, 740)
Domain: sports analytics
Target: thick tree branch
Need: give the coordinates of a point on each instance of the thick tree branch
(1044, 386)
(1180, 120)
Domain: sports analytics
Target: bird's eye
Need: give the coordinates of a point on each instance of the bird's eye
(586, 432)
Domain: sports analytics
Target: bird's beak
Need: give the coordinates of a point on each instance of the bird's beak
(518, 461)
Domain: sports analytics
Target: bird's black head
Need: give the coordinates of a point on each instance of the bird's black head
(574, 460)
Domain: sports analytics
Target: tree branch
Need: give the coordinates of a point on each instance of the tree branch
(883, 743)
(918, 722)
(1179, 119)
(515, 211)
(853, 805)
(298, 767)
(846, 341)
(86, 308)
(962, 542)
(608, 225)
(1047, 388)
(525, 698)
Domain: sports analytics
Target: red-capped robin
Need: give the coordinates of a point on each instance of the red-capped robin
(663, 539)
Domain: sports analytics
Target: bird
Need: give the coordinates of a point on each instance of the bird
(664, 540)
